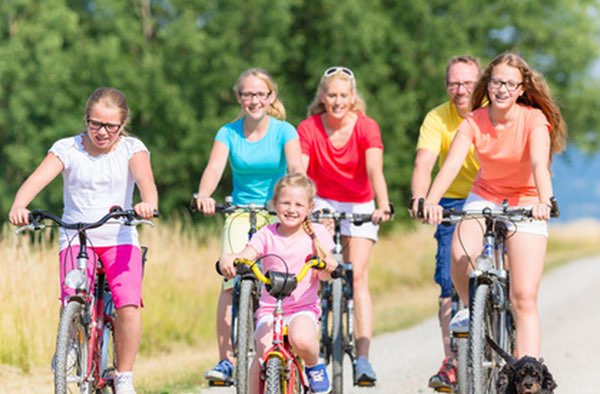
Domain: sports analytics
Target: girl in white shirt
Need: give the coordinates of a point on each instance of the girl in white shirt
(100, 167)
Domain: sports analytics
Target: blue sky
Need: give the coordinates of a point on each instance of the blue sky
(576, 183)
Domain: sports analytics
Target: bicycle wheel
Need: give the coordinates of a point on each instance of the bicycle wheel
(462, 351)
(245, 335)
(337, 336)
(297, 380)
(274, 376)
(70, 370)
(108, 358)
(485, 361)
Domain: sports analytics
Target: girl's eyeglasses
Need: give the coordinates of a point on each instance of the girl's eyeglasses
(337, 69)
(94, 125)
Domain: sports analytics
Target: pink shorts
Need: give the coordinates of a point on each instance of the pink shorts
(123, 267)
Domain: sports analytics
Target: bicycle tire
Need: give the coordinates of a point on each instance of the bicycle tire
(484, 360)
(462, 353)
(274, 376)
(108, 356)
(337, 337)
(297, 380)
(245, 335)
(72, 335)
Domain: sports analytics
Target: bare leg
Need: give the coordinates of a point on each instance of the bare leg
(128, 333)
(466, 246)
(357, 252)
(444, 315)
(527, 253)
(302, 333)
(224, 325)
(263, 342)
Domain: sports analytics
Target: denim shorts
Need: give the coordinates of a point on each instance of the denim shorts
(443, 235)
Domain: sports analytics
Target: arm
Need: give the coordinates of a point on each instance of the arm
(226, 261)
(140, 167)
(539, 151)
(421, 176)
(293, 156)
(48, 169)
(211, 176)
(374, 161)
(305, 162)
(452, 165)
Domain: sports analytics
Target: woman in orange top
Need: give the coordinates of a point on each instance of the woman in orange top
(514, 138)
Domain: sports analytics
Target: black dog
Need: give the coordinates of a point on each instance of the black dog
(527, 375)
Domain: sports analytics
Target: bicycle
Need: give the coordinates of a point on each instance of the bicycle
(85, 357)
(281, 368)
(246, 292)
(337, 306)
(489, 296)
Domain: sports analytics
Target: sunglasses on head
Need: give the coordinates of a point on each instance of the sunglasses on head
(336, 69)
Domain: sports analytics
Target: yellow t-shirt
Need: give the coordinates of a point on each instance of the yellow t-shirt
(436, 134)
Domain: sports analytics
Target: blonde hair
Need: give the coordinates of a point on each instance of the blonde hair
(112, 98)
(317, 107)
(464, 59)
(276, 108)
(302, 181)
(536, 94)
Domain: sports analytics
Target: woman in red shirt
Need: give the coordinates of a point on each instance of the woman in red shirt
(342, 152)
(514, 138)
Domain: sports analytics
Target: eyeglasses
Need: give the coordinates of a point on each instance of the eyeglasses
(247, 96)
(336, 69)
(94, 125)
(511, 85)
(468, 85)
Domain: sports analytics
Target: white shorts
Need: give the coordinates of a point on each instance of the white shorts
(365, 230)
(268, 319)
(530, 226)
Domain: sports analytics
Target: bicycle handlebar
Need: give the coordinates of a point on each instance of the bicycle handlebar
(355, 218)
(453, 215)
(37, 216)
(311, 262)
(229, 207)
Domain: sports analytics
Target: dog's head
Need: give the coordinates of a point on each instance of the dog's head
(526, 376)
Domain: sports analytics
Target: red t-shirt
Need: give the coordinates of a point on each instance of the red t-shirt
(340, 174)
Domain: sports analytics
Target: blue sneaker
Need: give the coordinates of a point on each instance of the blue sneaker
(222, 372)
(318, 380)
(460, 321)
(365, 376)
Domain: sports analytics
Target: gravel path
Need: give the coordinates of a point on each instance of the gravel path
(405, 360)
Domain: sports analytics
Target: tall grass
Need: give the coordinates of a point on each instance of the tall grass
(181, 288)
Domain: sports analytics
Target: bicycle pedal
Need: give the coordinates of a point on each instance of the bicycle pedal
(220, 383)
(444, 390)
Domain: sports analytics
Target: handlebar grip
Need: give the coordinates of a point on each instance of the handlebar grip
(338, 272)
(217, 268)
(420, 207)
(554, 211)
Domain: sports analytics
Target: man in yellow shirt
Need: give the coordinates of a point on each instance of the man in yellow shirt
(435, 137)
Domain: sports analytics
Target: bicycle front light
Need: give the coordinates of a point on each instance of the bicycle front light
(75, 279)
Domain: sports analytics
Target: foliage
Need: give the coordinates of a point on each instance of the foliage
(177, 61)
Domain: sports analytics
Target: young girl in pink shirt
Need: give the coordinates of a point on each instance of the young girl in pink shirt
(291, 240)
(514, 139)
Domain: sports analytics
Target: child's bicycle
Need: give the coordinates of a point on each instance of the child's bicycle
(85, 359)
(246, 292)
(337, 305)
(281, 369)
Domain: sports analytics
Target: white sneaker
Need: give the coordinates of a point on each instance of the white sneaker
(124, 383)
(460, 321)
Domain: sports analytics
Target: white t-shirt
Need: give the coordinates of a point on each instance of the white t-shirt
(92, 185)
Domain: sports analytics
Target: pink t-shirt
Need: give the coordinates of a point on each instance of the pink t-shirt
(340, 174)
(505, 171)
(293, 250)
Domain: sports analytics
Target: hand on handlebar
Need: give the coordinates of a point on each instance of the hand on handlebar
(145, 210)
(206, 205)
(19, 216)
(432, 212)
(226, 267)
(541, 211)
(382, 215)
